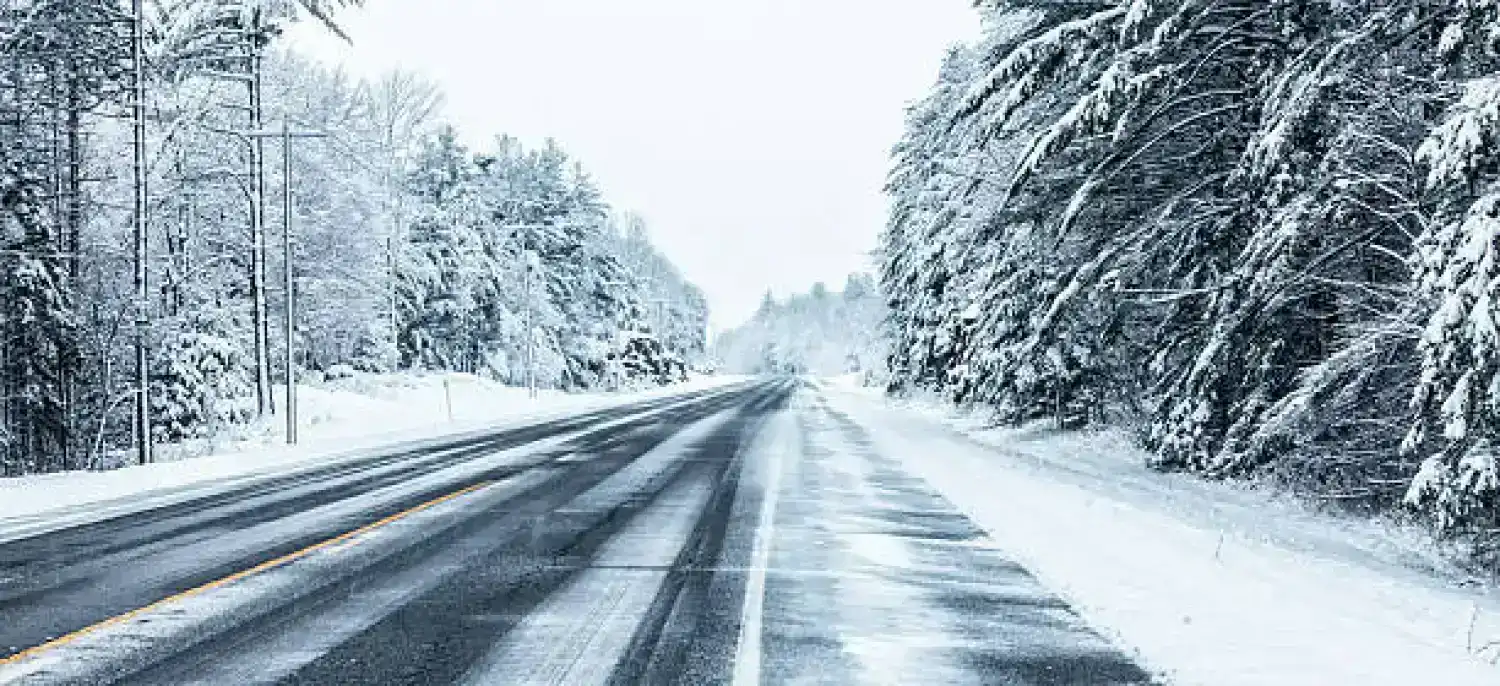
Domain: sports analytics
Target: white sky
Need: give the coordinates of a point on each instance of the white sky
(751, 134)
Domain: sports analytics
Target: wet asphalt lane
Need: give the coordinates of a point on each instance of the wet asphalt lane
(62, 581)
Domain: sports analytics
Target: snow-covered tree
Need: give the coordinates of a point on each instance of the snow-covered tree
(1259, 231)
(408, 248)
(821, 332)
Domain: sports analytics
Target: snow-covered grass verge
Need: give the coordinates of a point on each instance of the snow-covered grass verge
(338, 420)
(1208, 583)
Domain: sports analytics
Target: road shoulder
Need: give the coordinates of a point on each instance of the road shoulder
(1187, 582)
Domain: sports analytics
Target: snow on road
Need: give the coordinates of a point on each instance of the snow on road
(644, 474)
(582, 632)
(1209, 584)
(875, 578)
(763, 470)
(347, 420)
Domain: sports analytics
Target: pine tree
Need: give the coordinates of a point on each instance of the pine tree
(1455, 396)
(1221, 221)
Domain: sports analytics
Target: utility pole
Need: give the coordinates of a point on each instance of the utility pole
(530, 314)
(286, 134)
(142, 422)
(291, 286)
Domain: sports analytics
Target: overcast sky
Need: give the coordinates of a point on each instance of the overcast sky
(751, 134)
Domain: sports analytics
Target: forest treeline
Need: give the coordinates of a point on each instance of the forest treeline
(409, 249)
(820, 332)
(1262, 232)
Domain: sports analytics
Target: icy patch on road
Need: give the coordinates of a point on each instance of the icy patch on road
(580, 634)
(637, 479)
(366, 414)
(1210, 584)
(887, 624)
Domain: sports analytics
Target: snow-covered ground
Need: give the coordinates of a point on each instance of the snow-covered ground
(1207, 583)
(338, 420)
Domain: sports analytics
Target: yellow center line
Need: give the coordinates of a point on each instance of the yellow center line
(237, 576)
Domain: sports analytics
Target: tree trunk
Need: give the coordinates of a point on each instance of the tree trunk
(142, 321)
(259, 316)
(69, 243)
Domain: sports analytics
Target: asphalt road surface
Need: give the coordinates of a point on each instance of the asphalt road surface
(743, 535)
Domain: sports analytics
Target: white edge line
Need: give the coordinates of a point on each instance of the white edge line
(747, 656)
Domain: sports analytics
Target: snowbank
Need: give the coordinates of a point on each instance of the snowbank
(339, 420)
(1208, 583)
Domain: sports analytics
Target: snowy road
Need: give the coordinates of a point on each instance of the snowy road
(743, 535)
